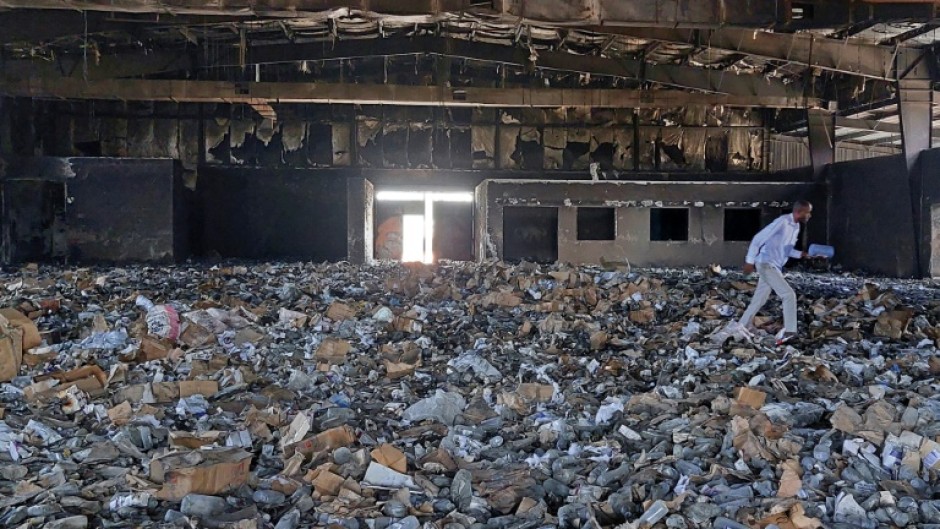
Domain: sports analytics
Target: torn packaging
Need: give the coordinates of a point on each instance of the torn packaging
(207, 471)
(328, 440)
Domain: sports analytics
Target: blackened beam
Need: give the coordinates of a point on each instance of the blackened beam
(270, 8)
(686, 77)
(873, 125)
(140, 64)
(107, 66)
(380, 94)
(720, 13)
(42, 25)
(843, 56)
(572, 13)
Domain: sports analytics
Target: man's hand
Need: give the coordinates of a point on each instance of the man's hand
(804, 255)
(749, 268)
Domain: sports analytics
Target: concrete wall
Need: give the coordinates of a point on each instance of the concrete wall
(272, 214)
(696, 139)
(871, 216)
(93, 210)
(125, 210)
(926, 184)
(705, 201)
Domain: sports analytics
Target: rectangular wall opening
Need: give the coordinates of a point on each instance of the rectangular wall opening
(530, 234)
(669, 224)
(741, 224)
(597, 224)
(423, 226)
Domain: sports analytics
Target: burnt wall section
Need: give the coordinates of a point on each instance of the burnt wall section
(871, 216)
(927, 190)
(93, 210)
(618, 141)
(702, 206)
(360, 200)
(120, 210)
(33, 223)
(272, 214)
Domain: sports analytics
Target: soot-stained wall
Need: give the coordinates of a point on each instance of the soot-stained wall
(272, 214)
(93, 210)
(694, 139)
(871, 216)
(701, 206)
(125, 210)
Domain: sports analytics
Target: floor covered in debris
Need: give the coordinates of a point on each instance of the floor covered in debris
(462, 396)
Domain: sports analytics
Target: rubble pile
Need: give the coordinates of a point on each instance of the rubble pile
(461, 396)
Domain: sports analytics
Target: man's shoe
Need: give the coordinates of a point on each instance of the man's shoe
(785, 337)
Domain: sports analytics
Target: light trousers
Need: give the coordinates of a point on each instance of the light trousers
(771, 279)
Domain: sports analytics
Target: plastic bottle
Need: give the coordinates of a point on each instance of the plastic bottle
(162, 320)
(726, 523)
(202, 506)
(289, 521)
(823, 450)
(653, 515)
(124, 500)
(268, 497)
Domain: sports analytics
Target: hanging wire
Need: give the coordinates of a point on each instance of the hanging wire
(85, 48)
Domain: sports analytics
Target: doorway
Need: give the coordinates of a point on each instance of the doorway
(423, 226)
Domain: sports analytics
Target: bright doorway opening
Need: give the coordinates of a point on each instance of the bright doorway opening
(423, 226)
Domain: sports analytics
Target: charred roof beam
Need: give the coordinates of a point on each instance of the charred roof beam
(685, 77)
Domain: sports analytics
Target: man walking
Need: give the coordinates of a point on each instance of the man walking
(768, 253)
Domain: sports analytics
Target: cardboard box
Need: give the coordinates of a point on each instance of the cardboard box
(536, 392)
(209, 471)
(193, 441)
(164, 392)
(152, 348)
(325, 482)
(396, 370)
(11, 353)
(195, 335)
(340, 311)
(121, 414)
(328, 440)
(31, 337)
(89, 379)
(751, 398)
(333, 351)
(38, 356)
(391, 457)
(206, 388)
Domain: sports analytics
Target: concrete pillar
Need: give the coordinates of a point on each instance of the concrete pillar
(360, 207)
(915, 98)
(821, 124)
(915, 73)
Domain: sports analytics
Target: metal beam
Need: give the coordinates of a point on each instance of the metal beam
(844, 56)
(43, 25)
(643, 13)
(822, 139)
(105, 67)
(687, 77)
(908, 35)
(915, 104)
(273, 8)
(345, 93)
(874, 125)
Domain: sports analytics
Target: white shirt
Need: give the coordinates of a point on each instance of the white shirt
(774, 244)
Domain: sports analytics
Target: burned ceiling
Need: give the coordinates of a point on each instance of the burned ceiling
(646, 54)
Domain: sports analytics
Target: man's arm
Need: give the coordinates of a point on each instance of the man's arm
(760, 239)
